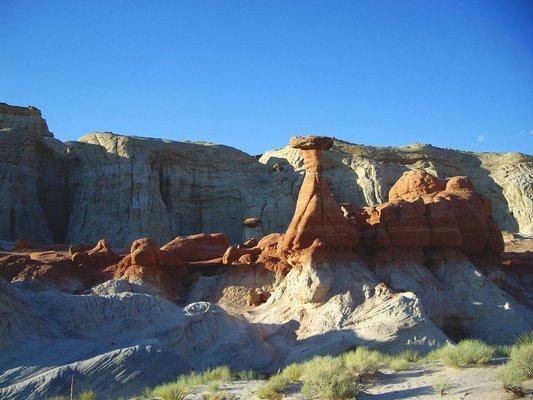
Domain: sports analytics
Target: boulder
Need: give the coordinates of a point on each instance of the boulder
(98, 257)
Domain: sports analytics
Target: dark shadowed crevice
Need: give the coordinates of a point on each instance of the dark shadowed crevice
(12, 224)
(52, 193)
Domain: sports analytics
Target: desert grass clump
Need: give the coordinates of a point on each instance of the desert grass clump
(362, 361)
(518, 369)
(409, 355)
(213, 387)
(398, 364)
(178, 389)
(467, 353)
(327, 378)
(293, 372)
(87, 395)
(222, 373)
(273, 388)
(246, 375)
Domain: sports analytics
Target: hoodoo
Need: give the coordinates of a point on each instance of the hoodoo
(318, 223)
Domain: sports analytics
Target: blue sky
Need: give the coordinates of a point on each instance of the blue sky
(250, 74)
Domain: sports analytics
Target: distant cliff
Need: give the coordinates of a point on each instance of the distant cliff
(122, 187)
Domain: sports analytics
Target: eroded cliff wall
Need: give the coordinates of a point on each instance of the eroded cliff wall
(123, 187)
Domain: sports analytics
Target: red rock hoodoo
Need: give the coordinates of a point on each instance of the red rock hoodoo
(318, 223)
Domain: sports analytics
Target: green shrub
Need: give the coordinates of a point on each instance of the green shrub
(171, 391)
(409, 355)
(468, 352)
(293, 372)
(273, 388)
(362, 361)
(221, 373)
(327, 378)
(398, 364)
(182, 386)
(518, 369)
(246, 375)
(213, 387)
(87, 396)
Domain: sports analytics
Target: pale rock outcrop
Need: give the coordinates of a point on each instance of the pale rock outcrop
(458, 297)
(161, 189)
(105, 340)
(123, 188)
(329, 308)
(32, 178)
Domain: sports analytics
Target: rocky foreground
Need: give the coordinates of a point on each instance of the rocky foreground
(419, 267)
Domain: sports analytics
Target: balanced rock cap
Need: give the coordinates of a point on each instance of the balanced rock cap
(311, 142)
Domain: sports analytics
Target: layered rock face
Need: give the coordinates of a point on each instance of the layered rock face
(32, 178)
(363, 175)
(318, 223)
(122, 188)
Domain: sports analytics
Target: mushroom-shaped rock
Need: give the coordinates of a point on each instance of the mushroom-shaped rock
(318, 222)
(311, 142)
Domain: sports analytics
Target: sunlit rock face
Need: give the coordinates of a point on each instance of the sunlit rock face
(318, 224)
(426, 212)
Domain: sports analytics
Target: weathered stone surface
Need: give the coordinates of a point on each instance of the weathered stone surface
(201, 247)
(414, 184)
(32, 178)
(364, 175)
(425, 212)
(105, 340)
(318, 222)
(98, 257)
(146, 262)
(123, 188)
(311, 142)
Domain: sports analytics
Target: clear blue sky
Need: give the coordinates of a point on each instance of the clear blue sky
(250, 74)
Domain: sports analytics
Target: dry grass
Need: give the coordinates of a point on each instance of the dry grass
(519, 367)
(466, 353)
(328, 378)
(178, 389)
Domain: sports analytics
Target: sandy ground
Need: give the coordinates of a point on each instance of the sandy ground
(476, 383)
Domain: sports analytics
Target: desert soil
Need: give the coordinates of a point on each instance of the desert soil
(476, 383)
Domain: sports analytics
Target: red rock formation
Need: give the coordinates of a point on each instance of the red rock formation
(318, 224)
(414, 184)
(99, 257)
(201, 247)
(147, 262)
(50, 268)
(425, 212)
